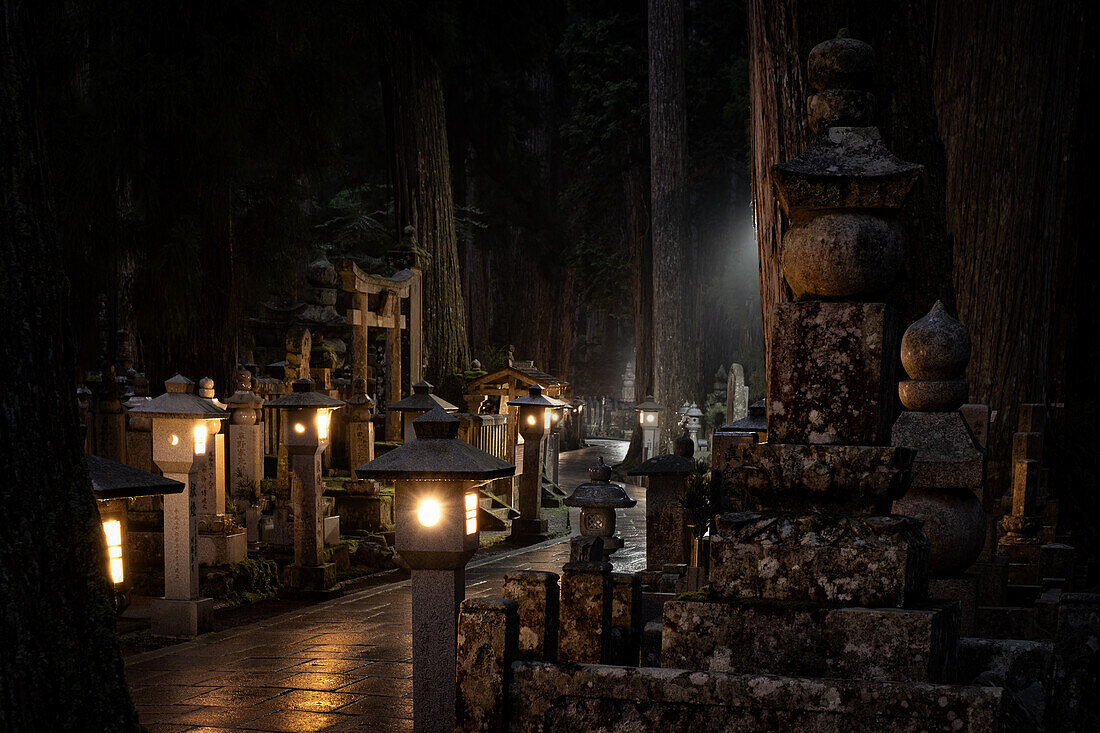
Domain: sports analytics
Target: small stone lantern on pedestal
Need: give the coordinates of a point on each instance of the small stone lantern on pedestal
(436, 478)
(180, 431)
(419, 402)
(649, 417)
(534, 424)
(246, 451)
(306, 435)
(598, 499)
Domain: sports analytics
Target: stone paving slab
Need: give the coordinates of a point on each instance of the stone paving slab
(341, 665)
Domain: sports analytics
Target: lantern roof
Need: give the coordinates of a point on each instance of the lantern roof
(180, 401)
(598, 492)
(302, 395)
(664, 465)
(111, 480)
(756, 421)
(535, 398)
(648, 406)
(436, 453)
(422, 400)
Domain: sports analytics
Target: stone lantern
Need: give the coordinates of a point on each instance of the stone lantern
(436, 478)
(693, 423)
(246, 451)
(114, 484)
(649, 417)
(553, 438)
(598, 499)
(419, 402)
(667, 536)
(534, 424)
(181, 424)
(305, 425)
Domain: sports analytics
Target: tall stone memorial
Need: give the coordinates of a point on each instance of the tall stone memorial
(822, 580)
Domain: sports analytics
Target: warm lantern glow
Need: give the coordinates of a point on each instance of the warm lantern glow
(200, 439)
(429, 512)
(299, 427)
(174, 439)
(471, 513)
(112, 530)
(649, 417)
(546, 419)
(555, 416)
(322, 424)
(531, 420)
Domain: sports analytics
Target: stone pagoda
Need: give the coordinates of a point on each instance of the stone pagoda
(819, 579)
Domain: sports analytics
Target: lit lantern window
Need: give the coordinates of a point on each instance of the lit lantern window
(112, 529)
(299, 427)
(471, 513)
(530, 419)
(322, 424)
(546, 419)
(173, 440)
(429, 512)
(200, 439)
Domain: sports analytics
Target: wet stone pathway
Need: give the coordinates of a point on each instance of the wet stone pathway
(341, 665)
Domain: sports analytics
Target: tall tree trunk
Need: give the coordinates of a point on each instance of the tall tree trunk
(673, 332)
(781, 34)
(1005, 91)
(61, 668)
(423, 198)
(636, 198)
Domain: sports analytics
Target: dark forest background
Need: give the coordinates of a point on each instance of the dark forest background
(204, 152)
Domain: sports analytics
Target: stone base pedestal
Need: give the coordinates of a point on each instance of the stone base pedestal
(368, 512)
(961, 588)
(331, 530)
(829, 559)
(992, 581)
(903, 644)
(222, 548)
(311, 578)
(252, 516)
(182, 618)
(528, 531)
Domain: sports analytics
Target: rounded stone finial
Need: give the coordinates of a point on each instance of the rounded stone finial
(841, 63)
(475, 365)
(599, 472)
(934, 352)
(936, 346)
(206, 388)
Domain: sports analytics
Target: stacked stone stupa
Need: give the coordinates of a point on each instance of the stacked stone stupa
(818, 579)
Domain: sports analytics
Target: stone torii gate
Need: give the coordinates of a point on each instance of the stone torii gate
(378, 304)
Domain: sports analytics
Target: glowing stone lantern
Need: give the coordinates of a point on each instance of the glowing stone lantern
(534, 424)
(419, 402)
(181, 422)
(649, 417)
(305, 420)
(436, 480)
(114, 484)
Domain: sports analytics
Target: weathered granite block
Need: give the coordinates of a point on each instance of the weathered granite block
(831, 377)
(800, 640)
(961, 588)
(549, 697)
(1056, 561)
(626, 618)
(585, 611)
(536, 594)
(841, 479)
(866, 561)
(1006, 622)
(1023, 668)
(948, 456)
(1075, 705)
(650, 655)
(488, 642)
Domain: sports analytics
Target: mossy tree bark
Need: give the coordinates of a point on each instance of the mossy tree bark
(423, 199)
(60, 668)
(674, 352)
(1006, 96)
